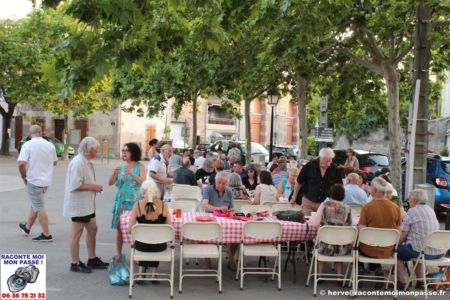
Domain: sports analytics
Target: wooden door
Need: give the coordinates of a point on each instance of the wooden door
(18, 130)
(150, 134)
(82, 125)
(59, 129)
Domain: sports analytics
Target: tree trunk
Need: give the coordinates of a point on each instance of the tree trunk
(194, 122)
(248, 131)
(421, 71)
(302, 92)
(7, 117)
(391, 77)
(66, 137)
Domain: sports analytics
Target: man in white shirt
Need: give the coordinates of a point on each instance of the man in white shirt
(354, 195)
(36, 160)
(199, 159)
(157, 169)
(79, 204)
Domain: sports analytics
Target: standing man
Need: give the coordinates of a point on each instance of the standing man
(157, 169)
(79, 204)
(36, 160)
(315, 180)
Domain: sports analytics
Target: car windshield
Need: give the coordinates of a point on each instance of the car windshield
(373, 160)
(446, 166)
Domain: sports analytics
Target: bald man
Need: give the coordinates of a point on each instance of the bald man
(354, 195)
(36, 160)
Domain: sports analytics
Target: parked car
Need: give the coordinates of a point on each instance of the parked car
(257, 149)
(285, 150)
(438, 174)
(59, 146)
(369, 162)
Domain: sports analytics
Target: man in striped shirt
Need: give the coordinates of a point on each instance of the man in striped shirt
(418, 223)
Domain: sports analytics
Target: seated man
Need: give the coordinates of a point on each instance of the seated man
(418, 223)
(354, 195)
(218, 196)
(184, 175)
(379, 213)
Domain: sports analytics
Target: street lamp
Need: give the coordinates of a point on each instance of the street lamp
(272, 98)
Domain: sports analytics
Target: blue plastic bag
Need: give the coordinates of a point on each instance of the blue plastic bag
(118, 272)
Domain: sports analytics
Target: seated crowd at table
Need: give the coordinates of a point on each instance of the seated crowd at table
(328, 195)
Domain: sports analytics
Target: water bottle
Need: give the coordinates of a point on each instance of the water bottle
(167, 197)
(287, 191)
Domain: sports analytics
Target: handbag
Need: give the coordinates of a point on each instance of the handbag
(118, 272)
(290, 215)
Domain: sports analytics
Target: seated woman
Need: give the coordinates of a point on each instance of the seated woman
(333, 212)
(149, 210)
(251, 178)
(238, 190)
(265, 191)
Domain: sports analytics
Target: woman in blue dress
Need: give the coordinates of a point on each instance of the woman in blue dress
(128, 178)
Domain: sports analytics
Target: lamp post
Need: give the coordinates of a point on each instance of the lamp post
(272, 99)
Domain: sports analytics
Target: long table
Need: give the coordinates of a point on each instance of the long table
(231, 228)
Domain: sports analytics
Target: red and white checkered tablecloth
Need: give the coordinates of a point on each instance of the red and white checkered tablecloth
(231, 228)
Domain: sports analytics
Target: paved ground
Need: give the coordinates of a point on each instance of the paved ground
(62, 284)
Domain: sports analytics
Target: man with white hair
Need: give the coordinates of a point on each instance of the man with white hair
(79, 204)
(36, 160)
(158, 167)
(419, 222)
(315, 180)
(354, 195)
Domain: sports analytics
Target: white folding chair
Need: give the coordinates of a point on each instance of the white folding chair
(185, 191)
(356, 209)
(438, 240)
(184, 205)
(201, 232)
(152, 234)
(266, 231)
(252, 209)
(237, 204)
(378, 237)
(338, 236)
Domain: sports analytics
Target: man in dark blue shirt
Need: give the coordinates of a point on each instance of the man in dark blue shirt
(184, 175)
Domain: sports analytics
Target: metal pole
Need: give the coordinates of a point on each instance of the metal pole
(271, 134)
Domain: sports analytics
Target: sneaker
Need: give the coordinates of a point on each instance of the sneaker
(43, 238)
(80, 267)
(97, 263)
(23, 228)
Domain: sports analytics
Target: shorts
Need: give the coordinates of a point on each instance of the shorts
(84, 219)
(36, 196)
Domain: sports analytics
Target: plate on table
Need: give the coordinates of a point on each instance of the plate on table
(204, 219)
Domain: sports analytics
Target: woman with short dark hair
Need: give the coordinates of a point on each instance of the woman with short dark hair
(128, 178)
(334, 212)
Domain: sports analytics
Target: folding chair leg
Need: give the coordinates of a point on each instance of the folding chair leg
(310, 271)
(238, 269)
(172, 267)
(242, 267)
(130, 288)
(389, 276)
(424, 278)
(345, 275)
(274, 268)
(413, 273)
(279, 266)
(219, 263)
(180, 284)
(395, 276)
(315, 275)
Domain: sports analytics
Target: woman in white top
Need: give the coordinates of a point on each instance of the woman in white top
(265, 191)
